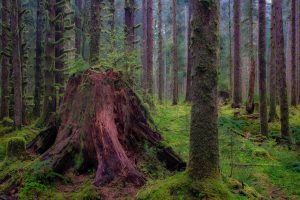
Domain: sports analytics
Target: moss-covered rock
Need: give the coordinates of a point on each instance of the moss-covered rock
(7, 122)
(15, 148)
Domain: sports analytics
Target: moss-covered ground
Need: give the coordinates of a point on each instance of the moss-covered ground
(252, 167)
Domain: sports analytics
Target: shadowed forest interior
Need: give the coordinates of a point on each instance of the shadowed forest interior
(150, 99)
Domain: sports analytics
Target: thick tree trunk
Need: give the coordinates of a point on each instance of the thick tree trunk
(293, 56)
(160, 54)
(204, 147)
(273, 70)
(78, 26)
(104, 128)
(6, 53)
(252, 74)
(49, 104)
(188, 96)
(174, 53)
(262, 67)
(150, 46)
(95, 30)
(237, 86)
(59, 49)
(39, 50)
(281, 67)
(16, 64)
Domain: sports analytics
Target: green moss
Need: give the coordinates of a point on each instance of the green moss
(86, 192)
(181, 186)
(15, 148)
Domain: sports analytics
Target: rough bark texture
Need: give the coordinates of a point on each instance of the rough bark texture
(262, 67)
(293, 56)
(103, 127)
(298, 42)
(6, 53)
(188, 96)
(273, 70)
(59, 49)
(78, 26)
(95, 30)
(252, 72)
(16, 64)
(237, 85)
(39, 50)
(49, 103)
(281, 67)
(174, 53)
(150, 46)
(160, 54)
(204, 150)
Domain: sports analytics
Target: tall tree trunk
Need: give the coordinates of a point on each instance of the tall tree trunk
(144, 57)
(230, 49)
(49, 104)
(298, 42)
(150, 46)
(129, 30)
(174, 52)
(59, 49)
(281, 66)
(78, 26)
(112, 24)
(39, 50)
(16, 64)
(237, 86)
(189, 57)
(95, 30)
(273, 70)
(6, 53)
(204, 147)
(293, 56)
(262, 67)
(160, 54)
(250, 101)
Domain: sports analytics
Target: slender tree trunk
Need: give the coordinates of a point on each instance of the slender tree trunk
(6, 53)
(174, 52)
(262, 67)
(250, 101)
(78, 26)
(298, 42)
(293, 56)
(150, 46)
(38, 60)
(112, 24)
(160, 54)
(95, 30)
(230, 49)
(49, 104)
(273, 70)
(189, 57)
(144, 57)
(16, 64)
(281, 66)
(237, 87)
(204, 147)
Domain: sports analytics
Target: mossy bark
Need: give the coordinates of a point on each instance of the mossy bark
(262, 67)
(204, 147)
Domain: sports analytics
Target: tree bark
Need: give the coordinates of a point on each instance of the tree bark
(160, 54)
(230, 50)
(293, 56)
(262, 67)
(281, 66)
(237, 86)
(78, 26)
(49, 104)
(150, 46)
(298, 42)
(144, 57)
(273, 70)
(252, 75)
(6, 53)
(204, 147)
(16, 64)
(39, 50)
(95, 30)
(174, 53)
(189, 58)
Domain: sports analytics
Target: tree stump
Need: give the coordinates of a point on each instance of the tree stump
(103, 127)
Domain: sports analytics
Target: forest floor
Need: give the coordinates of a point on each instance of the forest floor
(252, 167)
